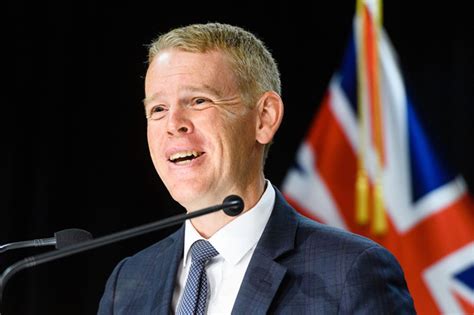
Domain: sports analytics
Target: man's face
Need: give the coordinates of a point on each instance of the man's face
(201, 136)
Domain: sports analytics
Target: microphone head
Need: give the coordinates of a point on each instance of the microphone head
(70, 237)
(233, 205)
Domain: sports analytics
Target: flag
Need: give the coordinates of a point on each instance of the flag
(368, 166)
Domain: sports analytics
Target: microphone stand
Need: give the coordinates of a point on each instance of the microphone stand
(61, 239)
(33, 243)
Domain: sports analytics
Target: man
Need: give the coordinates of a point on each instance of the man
(213, 106)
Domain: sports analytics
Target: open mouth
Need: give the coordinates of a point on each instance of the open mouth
(184, 157)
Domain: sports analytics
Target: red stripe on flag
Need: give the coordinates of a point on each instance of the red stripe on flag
(334, 157)
(467, 307)
(431, 240)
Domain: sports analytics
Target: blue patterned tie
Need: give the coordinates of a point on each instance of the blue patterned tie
(194, 297)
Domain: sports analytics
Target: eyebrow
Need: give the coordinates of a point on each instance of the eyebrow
(204, 88)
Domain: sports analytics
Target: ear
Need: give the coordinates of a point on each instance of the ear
(269, 116)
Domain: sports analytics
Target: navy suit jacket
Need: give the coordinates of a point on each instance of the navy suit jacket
(299, 267)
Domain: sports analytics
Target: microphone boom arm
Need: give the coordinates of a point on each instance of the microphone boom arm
(229, 203)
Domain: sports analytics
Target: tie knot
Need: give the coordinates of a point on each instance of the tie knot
(202, 251)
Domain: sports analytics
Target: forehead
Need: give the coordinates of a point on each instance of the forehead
(173, 69)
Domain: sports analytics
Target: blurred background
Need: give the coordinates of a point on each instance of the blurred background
(73, 138)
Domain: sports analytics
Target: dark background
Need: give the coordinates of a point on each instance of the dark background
(74, 150)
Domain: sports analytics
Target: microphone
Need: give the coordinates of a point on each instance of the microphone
(232, 205)
(61, 239)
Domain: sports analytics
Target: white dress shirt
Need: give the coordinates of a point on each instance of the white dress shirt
(235, 243)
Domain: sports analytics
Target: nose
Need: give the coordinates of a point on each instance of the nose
(179, 121)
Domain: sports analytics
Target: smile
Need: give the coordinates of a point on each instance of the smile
(184, 157)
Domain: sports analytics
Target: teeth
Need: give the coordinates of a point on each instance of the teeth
(184, 154)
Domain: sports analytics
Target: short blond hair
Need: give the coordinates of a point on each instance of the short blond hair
(255, 69)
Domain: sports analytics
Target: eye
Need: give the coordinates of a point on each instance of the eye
(157, 109)
(157, 112)
(199, 101)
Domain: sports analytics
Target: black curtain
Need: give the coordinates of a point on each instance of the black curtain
(74, 150)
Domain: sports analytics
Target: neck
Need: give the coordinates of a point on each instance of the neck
(209, 224)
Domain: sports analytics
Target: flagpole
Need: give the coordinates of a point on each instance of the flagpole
(362, 182)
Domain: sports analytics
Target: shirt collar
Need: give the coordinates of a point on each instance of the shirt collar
(246, 228)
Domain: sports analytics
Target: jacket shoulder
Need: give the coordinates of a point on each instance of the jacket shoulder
(312, 233)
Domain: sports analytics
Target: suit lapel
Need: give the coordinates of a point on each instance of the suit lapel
(169, 260)
(264, 274)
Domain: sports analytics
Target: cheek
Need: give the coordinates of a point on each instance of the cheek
(149, 134)
(153, 136)
(244, 131)
(239, 140)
